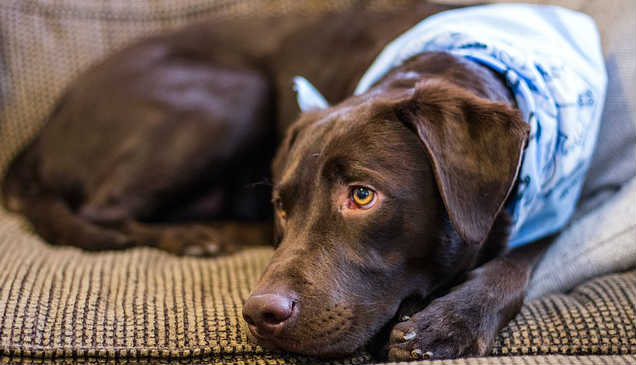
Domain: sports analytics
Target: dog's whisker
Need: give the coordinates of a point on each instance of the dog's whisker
(264, 182)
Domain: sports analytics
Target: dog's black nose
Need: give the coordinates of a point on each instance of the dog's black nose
(266, 314)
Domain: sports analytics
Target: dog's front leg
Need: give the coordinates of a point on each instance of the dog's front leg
(464, 322)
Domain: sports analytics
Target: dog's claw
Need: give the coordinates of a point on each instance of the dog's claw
(405, 318)
(212, 248)
(193, 250)
(416, 354)
(409, 335)
(427, 355)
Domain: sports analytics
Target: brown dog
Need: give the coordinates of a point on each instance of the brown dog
(376, 217)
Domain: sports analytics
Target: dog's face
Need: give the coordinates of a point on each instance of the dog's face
(346, 193)
(364, 217)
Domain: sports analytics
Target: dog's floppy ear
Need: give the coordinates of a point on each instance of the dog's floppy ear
(475, 146)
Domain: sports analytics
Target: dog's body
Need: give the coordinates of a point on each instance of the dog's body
(144, 87)
(169, 132)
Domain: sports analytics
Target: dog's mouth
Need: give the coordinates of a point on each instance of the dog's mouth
(326, 348)
(334, 341)
(260, 337)
(334, 331)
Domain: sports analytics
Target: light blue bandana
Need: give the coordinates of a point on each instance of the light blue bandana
(552, 61)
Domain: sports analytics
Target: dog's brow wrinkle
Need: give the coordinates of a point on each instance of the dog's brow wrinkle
(290, 170)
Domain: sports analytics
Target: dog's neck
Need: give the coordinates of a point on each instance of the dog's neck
(460, 71)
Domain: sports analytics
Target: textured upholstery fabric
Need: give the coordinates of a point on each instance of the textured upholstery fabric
(63, 305)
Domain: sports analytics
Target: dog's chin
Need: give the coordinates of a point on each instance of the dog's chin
(326, 348)
(322, 349)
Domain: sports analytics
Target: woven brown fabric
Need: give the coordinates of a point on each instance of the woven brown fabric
(537, 360)
(62, 305)
(595, 318)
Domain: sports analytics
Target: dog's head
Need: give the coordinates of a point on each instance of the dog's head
(384, 196)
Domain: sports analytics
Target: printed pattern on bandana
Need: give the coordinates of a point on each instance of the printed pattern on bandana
(552, 61)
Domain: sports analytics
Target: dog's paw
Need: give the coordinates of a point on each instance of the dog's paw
(444, 329)
(196, 240)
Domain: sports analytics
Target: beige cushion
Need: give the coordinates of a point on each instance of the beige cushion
(61, 303)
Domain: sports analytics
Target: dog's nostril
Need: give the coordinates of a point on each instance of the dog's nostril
(270, 318)
(248, 319)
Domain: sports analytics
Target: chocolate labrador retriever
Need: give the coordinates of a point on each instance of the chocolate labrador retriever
(388, 216)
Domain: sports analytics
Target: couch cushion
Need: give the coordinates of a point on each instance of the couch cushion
(61, 303)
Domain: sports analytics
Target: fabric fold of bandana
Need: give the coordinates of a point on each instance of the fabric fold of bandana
(308, 97)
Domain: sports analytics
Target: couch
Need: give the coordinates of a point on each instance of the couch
(64, 305)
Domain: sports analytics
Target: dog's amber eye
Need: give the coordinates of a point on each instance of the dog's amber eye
(363, 197)
(279, 208)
